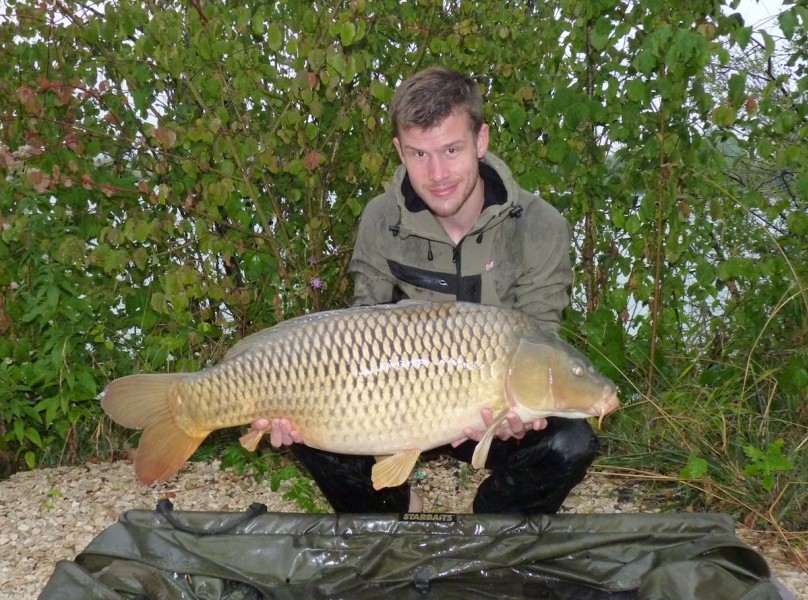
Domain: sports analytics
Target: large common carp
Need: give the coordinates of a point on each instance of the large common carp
(386, 380)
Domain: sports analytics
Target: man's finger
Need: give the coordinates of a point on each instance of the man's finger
(516, 426)
(260, 424)
(275, 437)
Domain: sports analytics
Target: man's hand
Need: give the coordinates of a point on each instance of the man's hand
(281, 433)
(512, 427)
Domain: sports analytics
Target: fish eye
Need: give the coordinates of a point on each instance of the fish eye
(577, 369)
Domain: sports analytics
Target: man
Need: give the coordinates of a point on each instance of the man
(455, 225)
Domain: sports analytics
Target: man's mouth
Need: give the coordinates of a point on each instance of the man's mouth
(441, 192)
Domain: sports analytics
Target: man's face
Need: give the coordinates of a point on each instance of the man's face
(442, 163)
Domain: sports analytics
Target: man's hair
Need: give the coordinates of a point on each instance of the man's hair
(430, 96)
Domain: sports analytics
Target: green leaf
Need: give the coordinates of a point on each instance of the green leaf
(645, 62)
(695, 468)
(601, 33)
(381, 91)
(52, 293)
(766, 463)
(30, 460)
(742, 36)
(274, 37)
(159, 302)
(737, 88)
(633, 224)
(556, 150)
(139, 257)
(347, 33)
(636, 90)
(257, 24)
(724, 115)
(733, 268)
(336, 60)
(785, 122)
(802, 188)
(32, 435)
(768, 44)
(517, 116)
(788, 23)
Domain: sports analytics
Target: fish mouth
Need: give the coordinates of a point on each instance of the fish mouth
(606, 405)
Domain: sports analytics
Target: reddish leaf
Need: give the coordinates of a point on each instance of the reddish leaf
(312, 159)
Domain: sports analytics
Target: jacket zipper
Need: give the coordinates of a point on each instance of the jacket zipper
(456, 261)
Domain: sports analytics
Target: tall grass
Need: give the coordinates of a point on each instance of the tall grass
(727, 435)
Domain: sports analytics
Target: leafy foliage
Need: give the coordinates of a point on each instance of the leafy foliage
(280, 473)
(178, 175)
(766, 463)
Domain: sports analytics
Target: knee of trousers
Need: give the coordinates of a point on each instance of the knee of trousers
(574, 440)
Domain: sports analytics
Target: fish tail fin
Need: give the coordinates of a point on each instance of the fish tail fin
(142, 402)
(162, 451)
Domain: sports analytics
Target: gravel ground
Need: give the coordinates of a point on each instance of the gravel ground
(52, 514)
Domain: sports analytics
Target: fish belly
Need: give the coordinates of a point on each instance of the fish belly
(372, 380)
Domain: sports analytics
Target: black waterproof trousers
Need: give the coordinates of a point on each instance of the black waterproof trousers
(529, 476)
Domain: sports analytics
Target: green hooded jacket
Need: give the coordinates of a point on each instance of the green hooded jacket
(517, 254)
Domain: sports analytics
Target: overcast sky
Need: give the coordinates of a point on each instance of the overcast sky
(761, 13)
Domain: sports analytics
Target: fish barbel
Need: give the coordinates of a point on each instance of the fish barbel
(388, 381)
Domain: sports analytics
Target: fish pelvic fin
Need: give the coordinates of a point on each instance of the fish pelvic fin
(484, 445)
(394, 470)
(142, 402)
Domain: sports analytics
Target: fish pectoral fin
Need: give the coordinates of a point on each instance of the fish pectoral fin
(394, 470)
(249, 441)
(484, 445)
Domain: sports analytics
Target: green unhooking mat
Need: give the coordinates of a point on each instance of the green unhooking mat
(171, 555)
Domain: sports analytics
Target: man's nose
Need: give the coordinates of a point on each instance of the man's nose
(437, 169)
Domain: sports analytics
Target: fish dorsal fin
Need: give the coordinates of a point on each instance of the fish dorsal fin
(484, 445)
(247, 344)
(406, 302)
(394, 470)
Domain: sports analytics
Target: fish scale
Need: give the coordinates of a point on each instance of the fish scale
(384, 380)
